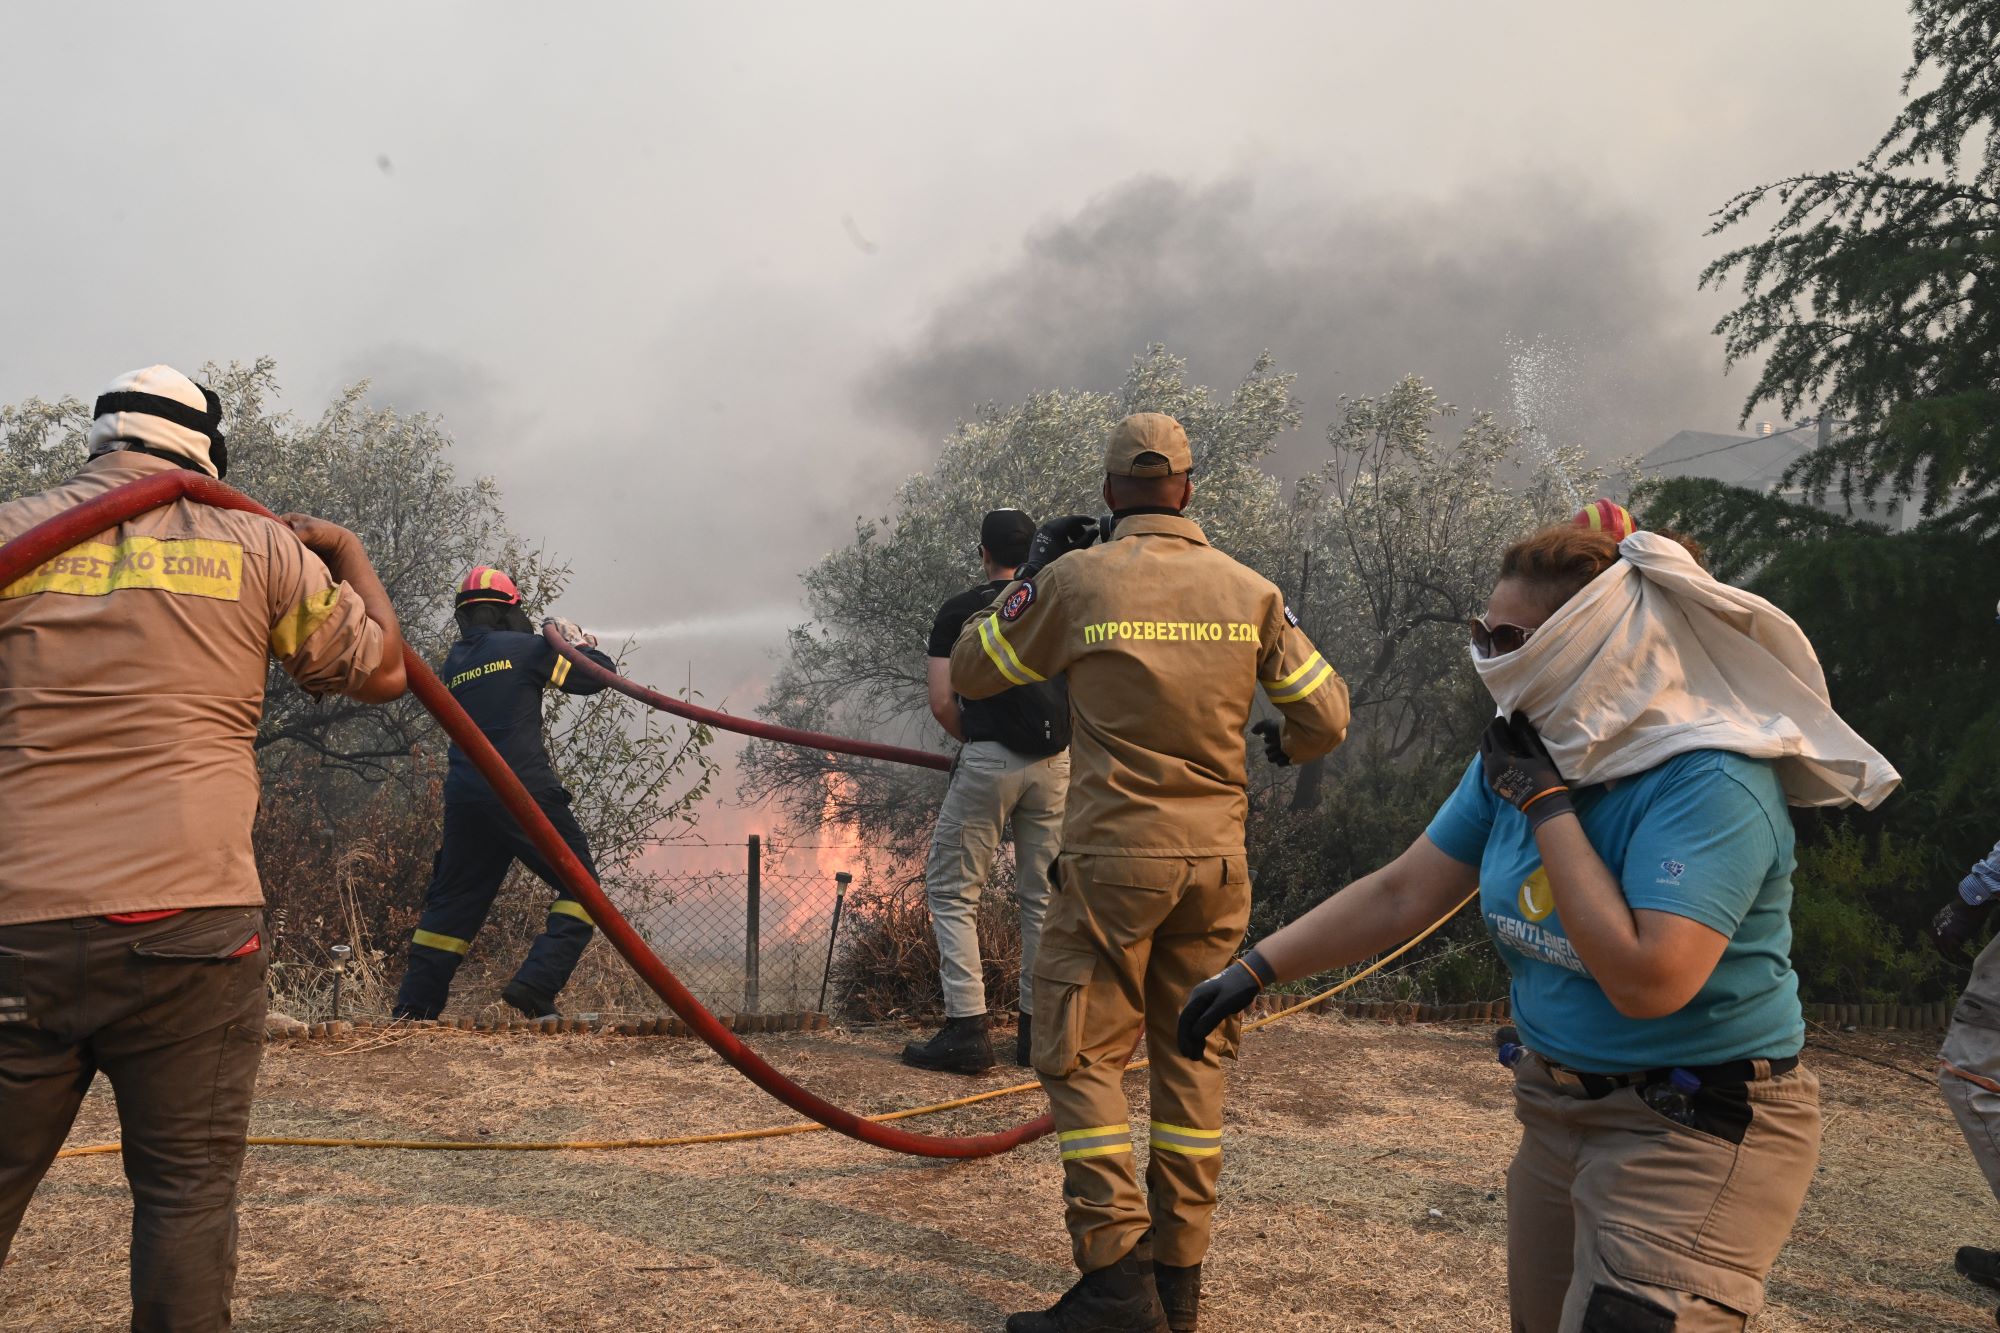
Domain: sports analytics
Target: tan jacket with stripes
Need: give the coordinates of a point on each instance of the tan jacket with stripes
(132, 671)
(1165, 641)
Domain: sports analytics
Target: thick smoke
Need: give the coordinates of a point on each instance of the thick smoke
(1350, 294)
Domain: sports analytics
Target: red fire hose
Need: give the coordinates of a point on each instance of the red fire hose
(47, 540)
(811, 740)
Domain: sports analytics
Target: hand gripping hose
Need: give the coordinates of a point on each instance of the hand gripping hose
(47, 540)
(811, 740)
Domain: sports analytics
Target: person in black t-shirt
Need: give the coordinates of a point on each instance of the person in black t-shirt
(498, 671)
(1013, 770)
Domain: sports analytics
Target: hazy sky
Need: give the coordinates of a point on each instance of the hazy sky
(699, 283)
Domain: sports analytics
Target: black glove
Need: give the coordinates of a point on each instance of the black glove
(1520, 772)
(1055, 539)
(1958, 923)
(1274, 749)
(1227, 993)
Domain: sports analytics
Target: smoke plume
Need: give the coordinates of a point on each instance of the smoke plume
(1350, 294)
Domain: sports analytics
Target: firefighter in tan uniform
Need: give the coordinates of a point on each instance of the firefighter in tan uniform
(132, 672)
(1165, 642)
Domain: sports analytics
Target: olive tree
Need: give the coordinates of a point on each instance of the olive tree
(858, 666)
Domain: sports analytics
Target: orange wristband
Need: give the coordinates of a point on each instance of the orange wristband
(1548, 791)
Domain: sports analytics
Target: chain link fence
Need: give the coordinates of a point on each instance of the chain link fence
(753, 939)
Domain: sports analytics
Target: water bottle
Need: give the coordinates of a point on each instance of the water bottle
(1674, 1098)
(1507, 1047)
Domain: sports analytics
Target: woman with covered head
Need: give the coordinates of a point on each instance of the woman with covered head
(1625, 826)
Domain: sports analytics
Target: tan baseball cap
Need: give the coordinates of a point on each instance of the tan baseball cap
(1147, 444)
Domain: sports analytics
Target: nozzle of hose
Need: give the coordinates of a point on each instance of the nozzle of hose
(1507, 1047)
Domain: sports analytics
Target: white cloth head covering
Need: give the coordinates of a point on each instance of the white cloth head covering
(165, 412)
(1655, 657)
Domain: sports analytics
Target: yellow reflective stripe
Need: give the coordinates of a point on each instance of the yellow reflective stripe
(1102, 1150)
(1293, 679)
(291, 632)
(1186, 1141)
(567, 907)
(1012, 656)
(1294, 696)
(1168, 1145)
(1003, 655)
(999, 662)
(486, 578)
(1095, 1141)
(430, 939)
(561, 673)
(190, 566)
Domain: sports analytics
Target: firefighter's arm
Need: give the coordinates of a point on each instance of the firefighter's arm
(333, 627)
(1304, 687)
(944, 703)
(559, 671)
(1022, 638)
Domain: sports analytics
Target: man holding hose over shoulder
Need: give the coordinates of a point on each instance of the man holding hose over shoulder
(132, 670)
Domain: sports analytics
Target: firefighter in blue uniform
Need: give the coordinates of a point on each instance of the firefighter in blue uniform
(497, 671)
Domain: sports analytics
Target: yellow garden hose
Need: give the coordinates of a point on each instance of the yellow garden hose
(777, 1131)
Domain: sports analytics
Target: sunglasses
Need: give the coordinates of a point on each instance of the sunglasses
(1497, 640)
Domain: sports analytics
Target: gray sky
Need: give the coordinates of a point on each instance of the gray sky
(698, 283)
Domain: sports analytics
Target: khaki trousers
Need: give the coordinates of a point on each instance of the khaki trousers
(1969, 1064)
(1126, 939)
(1620, 1220)
(991, 788)
(177, 1025)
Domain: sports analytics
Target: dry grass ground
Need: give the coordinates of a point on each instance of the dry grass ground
(1343, 1139)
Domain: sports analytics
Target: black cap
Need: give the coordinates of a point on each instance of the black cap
(1005, 533)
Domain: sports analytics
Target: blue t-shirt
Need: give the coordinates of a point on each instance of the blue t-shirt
(1705, 836)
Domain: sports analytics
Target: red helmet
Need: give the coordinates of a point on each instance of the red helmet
(488, 584)
(1607, 516)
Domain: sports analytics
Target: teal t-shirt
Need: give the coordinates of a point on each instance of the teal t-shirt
(1705, 836)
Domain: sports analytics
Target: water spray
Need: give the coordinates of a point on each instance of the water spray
(1540, 376)
(759, 620)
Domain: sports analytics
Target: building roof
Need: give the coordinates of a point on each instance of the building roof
(1754, 461)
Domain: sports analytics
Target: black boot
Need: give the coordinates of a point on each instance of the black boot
(961, 1046)
(1180, 1294)
(1977, 1265)
(1024, 1040)
(1118, 1299)
(531, 1002)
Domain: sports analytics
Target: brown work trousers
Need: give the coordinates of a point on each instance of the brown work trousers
(177, 1025)
(1621, 1219)
(1125, 940)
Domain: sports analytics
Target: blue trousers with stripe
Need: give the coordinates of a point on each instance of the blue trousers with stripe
(481, 844)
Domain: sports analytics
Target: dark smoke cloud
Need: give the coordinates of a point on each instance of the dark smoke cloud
(1351, 295)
